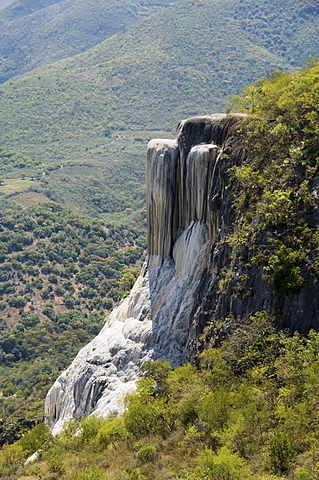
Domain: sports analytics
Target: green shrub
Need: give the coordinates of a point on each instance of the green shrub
(56, 467)
(146, 416)
(111, 431)
(283, 269)
(223, 465)
(134, 474)
(17, 302)
(11, 458)
(146, 454)
(91, 474)
(214, 409)
(89, 428)
(304, 474)
(280, 452)
(35, 439)
(187, 408)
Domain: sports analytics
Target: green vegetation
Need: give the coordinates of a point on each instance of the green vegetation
(249, 411)
(79, 127)
(275, 203)
(284, 31)
(60, 274)
(37, 33)
(93, 113)
(92, 187)
(75, 133)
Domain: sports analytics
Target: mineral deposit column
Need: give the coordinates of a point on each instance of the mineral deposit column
(162, 156)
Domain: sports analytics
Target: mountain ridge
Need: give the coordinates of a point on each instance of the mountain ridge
(39, 33)
(97, 108)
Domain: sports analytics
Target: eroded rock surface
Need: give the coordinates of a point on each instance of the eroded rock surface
(192, 275)
(185, 183)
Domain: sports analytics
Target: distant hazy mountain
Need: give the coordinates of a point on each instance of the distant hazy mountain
(37, 32)
(95, 109)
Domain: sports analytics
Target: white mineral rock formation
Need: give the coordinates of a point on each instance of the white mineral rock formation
(153, 322)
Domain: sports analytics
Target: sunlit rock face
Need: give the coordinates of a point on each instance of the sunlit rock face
(185, 180)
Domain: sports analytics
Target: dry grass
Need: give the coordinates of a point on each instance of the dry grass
(29, 199)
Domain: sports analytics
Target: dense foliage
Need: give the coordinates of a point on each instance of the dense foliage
(278, 179)
(250, 411)
(93, 113)
(283, 31)
(86, 182)
(59, 276)
(35, 33)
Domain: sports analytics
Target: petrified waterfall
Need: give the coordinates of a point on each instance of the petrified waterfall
(184, 193)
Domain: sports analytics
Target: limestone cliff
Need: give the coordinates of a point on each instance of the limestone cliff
(185, 282)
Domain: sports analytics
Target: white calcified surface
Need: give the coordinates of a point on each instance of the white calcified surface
(153, 322)
(107, 367)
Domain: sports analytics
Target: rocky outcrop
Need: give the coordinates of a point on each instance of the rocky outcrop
(192, 275)
(155, 320)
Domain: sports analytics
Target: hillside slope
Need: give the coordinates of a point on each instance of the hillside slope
(94, 112)
(289, 29)
(36, 33)
(233, 202)
(59, 276)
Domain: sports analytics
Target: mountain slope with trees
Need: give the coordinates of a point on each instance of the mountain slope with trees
(249, 409)
(94, 112)
(289, 30)
(60, 274)
(35, 33)
(76, 132)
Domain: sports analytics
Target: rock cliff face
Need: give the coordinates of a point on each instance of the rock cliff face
(184, 283)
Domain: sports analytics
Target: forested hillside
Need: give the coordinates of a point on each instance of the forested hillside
(60, 274)
(35, 33)
(277, 202)
(94, 112)
(249, 408)
(75, 133)
(290, 30)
